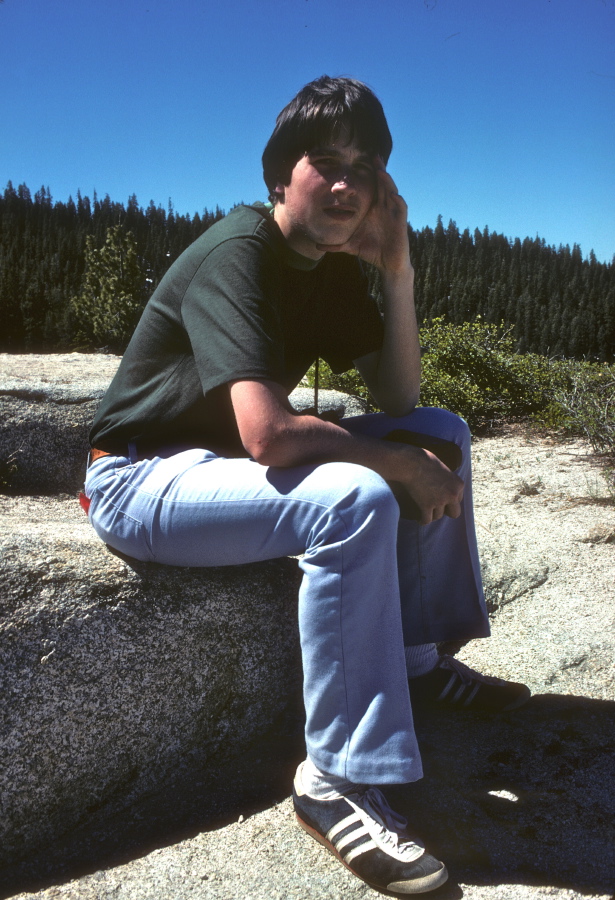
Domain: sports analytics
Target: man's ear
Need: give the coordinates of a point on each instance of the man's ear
(279, 191)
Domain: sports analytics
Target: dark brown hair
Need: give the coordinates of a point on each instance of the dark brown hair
(317, 115)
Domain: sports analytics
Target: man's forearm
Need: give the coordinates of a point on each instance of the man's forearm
(418, 473)
(301, 439)
(274, 435)
(394, 378)
(399, 374)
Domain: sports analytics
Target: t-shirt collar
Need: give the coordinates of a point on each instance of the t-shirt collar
(291, 257)
(297, 260)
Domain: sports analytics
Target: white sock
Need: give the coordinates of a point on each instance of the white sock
(420, 659)
(320, 785)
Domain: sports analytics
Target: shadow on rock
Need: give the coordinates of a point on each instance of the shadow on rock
(195, 800)
(523, 798)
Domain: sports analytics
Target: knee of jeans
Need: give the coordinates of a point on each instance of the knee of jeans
(448, 425)
(460, 428)
(363, 489)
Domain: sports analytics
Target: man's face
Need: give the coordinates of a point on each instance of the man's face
(330, 192)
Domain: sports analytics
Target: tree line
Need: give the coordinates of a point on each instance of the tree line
(77, 274)
(45, 248)
(560, 304)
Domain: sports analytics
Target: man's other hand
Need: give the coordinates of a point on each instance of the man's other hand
(432, 486)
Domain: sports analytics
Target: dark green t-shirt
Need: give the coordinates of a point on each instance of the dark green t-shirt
(238, 303)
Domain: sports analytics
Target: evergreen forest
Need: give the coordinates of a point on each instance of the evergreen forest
(76, 275)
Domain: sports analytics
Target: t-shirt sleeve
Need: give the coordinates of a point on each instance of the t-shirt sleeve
(231, 315)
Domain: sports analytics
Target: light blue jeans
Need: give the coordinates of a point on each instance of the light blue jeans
(371, 584)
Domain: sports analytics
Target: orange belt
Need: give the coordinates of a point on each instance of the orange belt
(95, 454)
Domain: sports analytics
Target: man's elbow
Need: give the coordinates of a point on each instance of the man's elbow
(268, 449)
(266, 456)
(258, 449)
(399, 406)
(399, 411)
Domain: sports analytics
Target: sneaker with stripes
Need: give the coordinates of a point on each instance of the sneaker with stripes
(453, 685)
(370, 839)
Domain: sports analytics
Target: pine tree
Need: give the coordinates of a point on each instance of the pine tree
(112, 294)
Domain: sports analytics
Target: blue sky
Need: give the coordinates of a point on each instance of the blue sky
(502, 111)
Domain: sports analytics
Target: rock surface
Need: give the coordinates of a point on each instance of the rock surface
(47, 404)
(520, 806)
(113, 674)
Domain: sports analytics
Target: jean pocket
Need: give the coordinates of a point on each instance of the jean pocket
(121, 531)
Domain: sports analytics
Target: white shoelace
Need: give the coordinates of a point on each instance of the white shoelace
(386, 825)
(465, 673)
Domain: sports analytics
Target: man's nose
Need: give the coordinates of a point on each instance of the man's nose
(344, 181)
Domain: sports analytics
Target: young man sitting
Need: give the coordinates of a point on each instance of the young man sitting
(200, 460)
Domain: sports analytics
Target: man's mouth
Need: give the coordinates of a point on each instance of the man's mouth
(340, 213)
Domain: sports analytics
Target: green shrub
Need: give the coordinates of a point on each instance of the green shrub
(348, 382)
(471, 369)
(586, 405)
(474, 370)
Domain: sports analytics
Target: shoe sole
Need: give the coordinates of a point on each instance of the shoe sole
(520, 701)
(419, 886)
(445, 706)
